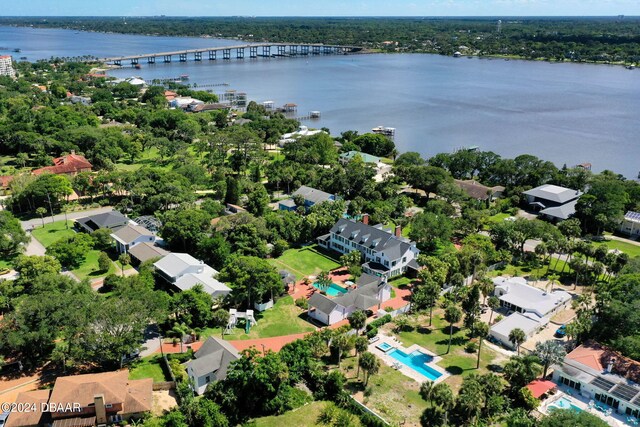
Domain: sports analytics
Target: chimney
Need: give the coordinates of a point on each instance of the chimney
(73, 152)
(101, 411)
(610, 365)
(398, 231)
(365, 219)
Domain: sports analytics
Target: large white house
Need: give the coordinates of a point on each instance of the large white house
(184, 272)
(6, 66)
(554, 202)
(130, 235)
(602, 375)
(531, 307)
(210, 363)
(385, 253)
(370, 292)
(631, 224)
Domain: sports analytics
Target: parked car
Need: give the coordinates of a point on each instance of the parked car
(561, 331)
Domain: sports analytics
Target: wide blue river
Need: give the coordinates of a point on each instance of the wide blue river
(566, 113)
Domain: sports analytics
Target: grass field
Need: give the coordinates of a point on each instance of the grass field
(89, 268)
(305, 416)
(148, 367)
(628, 248)
(457, 362)
(283, 319)
(52, 232)
(307, 261)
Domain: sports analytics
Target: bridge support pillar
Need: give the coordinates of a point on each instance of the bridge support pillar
(167, 58)
(293, 50)
(183, 57)
(253, 52)
(117, 62)
(316, 50)
(304, 50)
(266, 50)
(197, 56)
(282, 50)
(226, 53)
(326, 50)
(134, 61)
(240, 53)
(151, 60)
(212, 55)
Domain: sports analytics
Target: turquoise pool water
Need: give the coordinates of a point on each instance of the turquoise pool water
(416, 361)
(565, 403)
(385, 346)
(333, 290)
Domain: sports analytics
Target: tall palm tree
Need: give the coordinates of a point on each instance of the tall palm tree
(517, 337)
(482, 329)
(370, 364)
(442, 395)
(361, 344)
(494, 303)
(452, 314)
(549, 352)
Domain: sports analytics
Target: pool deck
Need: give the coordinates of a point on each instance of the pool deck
(404, 369)
(614, 420)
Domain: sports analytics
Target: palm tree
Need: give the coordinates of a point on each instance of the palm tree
(452, 314)
(486, 287)
(369, 364)
(553, 279)
(494, 303)
(361, 344)
(549, 352)
(426, 389)
(124, 259)
(521, 370)
(41, 211)
(178, 332)
(517, 337)
(342, 343)
(358, 320)
(482, 329)
(442, 396)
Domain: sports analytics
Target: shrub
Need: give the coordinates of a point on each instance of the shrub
(372, 332)
(471, 347)
(302, 303)
(499, 317)
(178, 370)
(388, 309)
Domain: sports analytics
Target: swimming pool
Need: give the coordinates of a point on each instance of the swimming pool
(384, 347)
(417, 361)
(565, 403)
(333, 290)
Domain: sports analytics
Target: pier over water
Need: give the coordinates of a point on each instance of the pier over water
(263, 50)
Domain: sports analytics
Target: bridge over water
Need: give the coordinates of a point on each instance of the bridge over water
(264, 50)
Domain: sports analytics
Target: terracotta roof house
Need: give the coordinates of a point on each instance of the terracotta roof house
(211, 363)
(477, 191)
(5, 181)
(371, 291)
(31, 399)
(71, 164)
(87, 400)
(602, 375)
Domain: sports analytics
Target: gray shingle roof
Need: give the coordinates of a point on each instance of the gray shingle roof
(105, 220)
(373, 237)
(129, 233)
(146, 251)
(363, 297)
(561, 212)
(214, 355)
(313, 195)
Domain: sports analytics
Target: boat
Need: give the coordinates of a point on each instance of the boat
(184, 76)
(23, 58)
(137, 66)
(16, 50)
(630, 67)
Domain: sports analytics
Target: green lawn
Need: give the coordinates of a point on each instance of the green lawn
(149, 157)
(457, 362)
(52, 232)
(405, 230)
(400, 282)
(148, 367)
(307, 261)
(305, 416)
(494, 219)
(283, 319)
(89, 268)
(628, 248)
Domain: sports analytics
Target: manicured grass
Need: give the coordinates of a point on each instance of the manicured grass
(628, 248)
(89, 268)
(52, 232)
(149, 157)
(393, 395)
(436, 339)
(5, 264)
(148, 367)
(306, 261)
(305, 416)
(400, 282)
(283, 319)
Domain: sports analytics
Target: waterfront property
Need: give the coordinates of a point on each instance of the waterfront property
(294, 136)
(609, 379)
(184, 272)
(385, 253)
(531, 307)
(553, 202)
(367, 158)
(311, 197)
(477, 191)
(631, 224)
(6, 66)
(210, 363)
(370, 292)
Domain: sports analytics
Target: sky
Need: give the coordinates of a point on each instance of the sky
(320, 7)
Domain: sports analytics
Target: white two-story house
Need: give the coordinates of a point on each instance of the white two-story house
(384, 252)
(184, 272)
(130, 235)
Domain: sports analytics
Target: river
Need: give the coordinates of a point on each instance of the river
(566, 113)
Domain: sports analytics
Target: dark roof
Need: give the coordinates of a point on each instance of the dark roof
(146, 251)
(313, 195)
(374, 237)
(363, 297)
(215, 355)
(104, 220)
